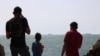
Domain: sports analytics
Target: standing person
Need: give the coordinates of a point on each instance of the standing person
(37, 47)
(72, 41)
(2, 51)
(16, 28)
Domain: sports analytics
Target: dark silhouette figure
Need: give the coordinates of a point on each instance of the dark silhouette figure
(72, 41)
(2, 52)
(37, 47)
(16, 28)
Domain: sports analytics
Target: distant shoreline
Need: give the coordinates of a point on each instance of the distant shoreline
(57, 34)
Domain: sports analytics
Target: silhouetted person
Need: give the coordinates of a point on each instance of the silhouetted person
(16, 28)
(37, 47)
(2, 52)
(72, 41)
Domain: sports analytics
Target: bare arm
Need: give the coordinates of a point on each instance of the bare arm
(28, 30)
(63, 49)
(7, 35)
(41, 48)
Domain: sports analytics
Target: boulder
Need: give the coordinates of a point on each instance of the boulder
(94, 50)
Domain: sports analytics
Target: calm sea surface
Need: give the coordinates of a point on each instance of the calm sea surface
(52, 44)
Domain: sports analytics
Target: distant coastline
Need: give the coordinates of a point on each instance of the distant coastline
(87, 34)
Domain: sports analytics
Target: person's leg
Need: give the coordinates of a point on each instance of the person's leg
(14, 51)
(2, 52)
(24, 51)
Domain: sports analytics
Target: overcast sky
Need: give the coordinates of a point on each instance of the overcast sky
(54, 16)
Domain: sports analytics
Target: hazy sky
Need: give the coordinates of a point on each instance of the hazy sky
(54, 16)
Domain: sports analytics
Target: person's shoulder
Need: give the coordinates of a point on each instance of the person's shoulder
(69, 32)
(33, 42)
(79, 34)
(41, 45)
(23, 18)
(10, 20)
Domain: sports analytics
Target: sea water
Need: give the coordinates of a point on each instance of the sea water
(52, 44)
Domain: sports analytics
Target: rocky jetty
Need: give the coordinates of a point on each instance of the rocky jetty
(94, 50)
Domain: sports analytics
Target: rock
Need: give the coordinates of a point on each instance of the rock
(95, 50)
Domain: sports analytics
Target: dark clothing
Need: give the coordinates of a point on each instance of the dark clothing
(17, 27)
(73, 40)
(35, 49)
(22, 51)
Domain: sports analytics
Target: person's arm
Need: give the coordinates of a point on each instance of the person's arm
(32, 47)
(27, 27)
(41, 48)
(28, 30)
(63, 49)
(7, 35)
(67, 35)
(80, 41)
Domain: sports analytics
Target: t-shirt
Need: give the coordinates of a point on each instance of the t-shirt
(17, 27)
(35, 49)
(73, 40)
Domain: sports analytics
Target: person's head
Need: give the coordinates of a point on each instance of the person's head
(38, 37)
(17, 10)
(74, 25)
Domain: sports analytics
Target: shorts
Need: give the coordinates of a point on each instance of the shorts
(21, 51)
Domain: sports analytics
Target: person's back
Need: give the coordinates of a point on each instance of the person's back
(37, 47)
(16, 28)
(72, 41)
